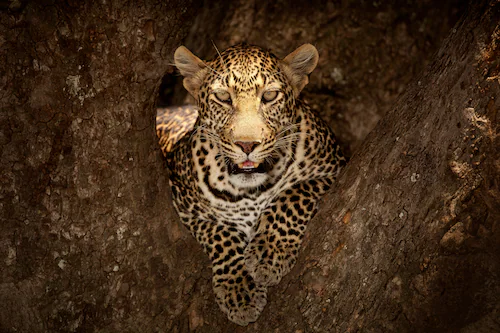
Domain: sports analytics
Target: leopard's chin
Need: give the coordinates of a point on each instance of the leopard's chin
(247, 180)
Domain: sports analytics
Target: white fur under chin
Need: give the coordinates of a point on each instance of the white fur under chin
(248, 180)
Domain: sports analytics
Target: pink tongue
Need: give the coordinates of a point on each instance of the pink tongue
(248, 164)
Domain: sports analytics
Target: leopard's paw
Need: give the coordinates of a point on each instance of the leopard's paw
(240, 298)
(266, 263)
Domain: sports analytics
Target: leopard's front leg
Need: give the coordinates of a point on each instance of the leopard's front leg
(236, 292)
(273, 251)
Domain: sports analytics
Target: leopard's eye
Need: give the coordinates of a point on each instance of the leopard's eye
(223, 96)
(269, 96)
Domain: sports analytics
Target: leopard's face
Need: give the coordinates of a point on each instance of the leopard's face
(246, 104)
(246, 98)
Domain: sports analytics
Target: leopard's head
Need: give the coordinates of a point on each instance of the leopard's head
(246, 98)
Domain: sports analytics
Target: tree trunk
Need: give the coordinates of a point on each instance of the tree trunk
(407, 240)
(84, 190)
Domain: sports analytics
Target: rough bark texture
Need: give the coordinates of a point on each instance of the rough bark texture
(410, 239)
(407, 240)
(84, 191)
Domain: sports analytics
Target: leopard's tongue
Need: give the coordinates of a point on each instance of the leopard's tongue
(248, 165)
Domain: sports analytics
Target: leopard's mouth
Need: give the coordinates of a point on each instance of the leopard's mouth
(249, 167)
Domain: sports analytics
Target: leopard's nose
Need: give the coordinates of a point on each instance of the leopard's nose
(247, 146)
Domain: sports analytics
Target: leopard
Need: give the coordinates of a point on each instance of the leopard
(248, 163)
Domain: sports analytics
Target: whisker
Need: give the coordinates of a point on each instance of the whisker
(196, 130)
(286, 140)
(213, 70)
(220, 56)
(288, 128)
(268, 159)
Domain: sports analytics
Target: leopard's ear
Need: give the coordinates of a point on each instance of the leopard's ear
(192, 68)
(299, 64)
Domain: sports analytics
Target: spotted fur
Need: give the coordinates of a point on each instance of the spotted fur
(247, 179)
(173, 123)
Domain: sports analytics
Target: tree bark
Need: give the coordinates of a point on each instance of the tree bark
(407, 240)
(84, 191)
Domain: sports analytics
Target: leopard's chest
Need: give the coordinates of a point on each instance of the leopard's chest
(242, 214)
